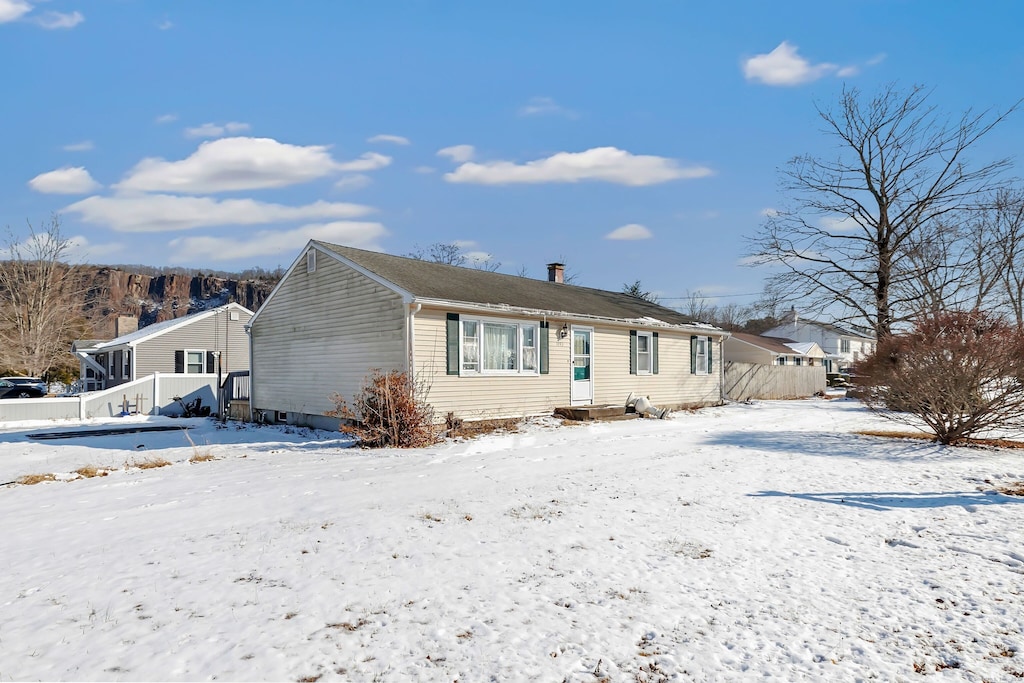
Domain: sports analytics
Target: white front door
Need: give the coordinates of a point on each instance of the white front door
(582, 361)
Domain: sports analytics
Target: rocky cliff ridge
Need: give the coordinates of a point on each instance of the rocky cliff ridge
(112, 292)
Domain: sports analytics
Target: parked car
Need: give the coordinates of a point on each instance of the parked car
(22, 387)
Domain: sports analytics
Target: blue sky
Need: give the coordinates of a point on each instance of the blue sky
(632, 140)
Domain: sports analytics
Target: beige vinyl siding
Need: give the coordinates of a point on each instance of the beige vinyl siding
(216, 332)
(476, 397)
(483, 396)
(673, 387)
(743, 352)
(323, 332)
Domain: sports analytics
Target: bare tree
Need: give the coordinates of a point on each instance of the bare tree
(957, 373)
(636, 289)
(439, 252)
(39, 300)
(696, 306)
(901, 169)
(1003, 223)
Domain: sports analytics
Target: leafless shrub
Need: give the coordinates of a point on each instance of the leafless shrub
(89, 472)
(149, 463)
(960, 373)
(389, 410)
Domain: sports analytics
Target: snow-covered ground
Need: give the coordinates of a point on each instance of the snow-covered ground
(746, 542)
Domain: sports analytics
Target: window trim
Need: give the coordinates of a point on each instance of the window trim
(202, 363)
(481, 371)
(311, 261)
(699, 362)
(844, 346)
(649, 352)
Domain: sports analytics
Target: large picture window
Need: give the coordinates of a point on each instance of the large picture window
(498, 347)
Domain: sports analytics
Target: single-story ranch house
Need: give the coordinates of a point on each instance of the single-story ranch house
(480, 344)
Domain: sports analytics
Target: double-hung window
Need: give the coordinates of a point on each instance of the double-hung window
(498, 347)
(195, 362)
(643, 353)
(844, 346)
(700, 355)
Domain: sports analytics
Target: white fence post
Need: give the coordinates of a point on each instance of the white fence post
(81, 407)
(156, 393)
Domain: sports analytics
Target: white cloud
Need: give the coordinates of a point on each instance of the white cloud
(231, 164)
(83, 146)
(356, 181)
(465, 244)
(66, 180)
(165, 25)
(161, 212)
(371, 161)
(600, 163)
(457, 153)
(396, 139)
(769, 212)
(546, 106)
(165, 118)
(265, 242)
(478, 257)
(81, 250)
(216, 130)
(783, 66)
(839, 224)
(633, 231)
(12, 10)
(55, 20)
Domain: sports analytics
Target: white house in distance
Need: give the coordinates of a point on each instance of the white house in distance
(479, 344)
(844, 345)
(195, 344)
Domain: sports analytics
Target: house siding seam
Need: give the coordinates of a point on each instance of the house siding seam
(324, 332)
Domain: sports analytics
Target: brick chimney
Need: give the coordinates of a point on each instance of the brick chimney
(556, 272)
(125, 324)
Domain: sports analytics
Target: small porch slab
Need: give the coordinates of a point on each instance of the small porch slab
(587, 413)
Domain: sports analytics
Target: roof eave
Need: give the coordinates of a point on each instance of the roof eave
(543, 313)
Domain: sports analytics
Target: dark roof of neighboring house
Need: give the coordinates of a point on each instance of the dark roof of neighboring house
(773, 344)
(429, 280)
(846, 331)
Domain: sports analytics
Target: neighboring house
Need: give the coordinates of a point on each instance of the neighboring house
(844, 345)
(190, 344)
(752, 348)
(479, 344)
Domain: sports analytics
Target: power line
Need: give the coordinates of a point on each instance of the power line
(698, 295)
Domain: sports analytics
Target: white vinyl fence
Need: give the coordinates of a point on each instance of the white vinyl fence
(746, 381)
(152, 395)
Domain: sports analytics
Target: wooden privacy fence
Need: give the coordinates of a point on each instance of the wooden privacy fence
(746, 381)
(152, 395)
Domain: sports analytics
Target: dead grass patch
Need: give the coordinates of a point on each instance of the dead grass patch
(30, 479)
(348, 625)
(149, 463)
(1015, 488)
(458, 428)
(202, 457)
(90, 472)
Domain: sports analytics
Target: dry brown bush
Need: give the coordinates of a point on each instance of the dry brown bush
(150, 463)
(389, 410)
(958, 372)
(89, 472)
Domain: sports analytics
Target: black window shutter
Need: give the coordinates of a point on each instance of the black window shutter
(545, 330)
(654, 353)
(632, 352)
(710, 361)
(211, 363)
(117, 363)
(179, 361)
(693, 355)
(453, 343)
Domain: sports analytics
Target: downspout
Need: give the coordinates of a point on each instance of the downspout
(252, 377)
(721, 368)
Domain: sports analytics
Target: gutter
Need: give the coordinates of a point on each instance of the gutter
(563, 315)
(410, 340)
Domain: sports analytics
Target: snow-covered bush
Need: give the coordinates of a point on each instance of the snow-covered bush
(958, 372)
(389, 410)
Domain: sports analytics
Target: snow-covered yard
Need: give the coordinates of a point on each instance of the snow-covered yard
(745, 542)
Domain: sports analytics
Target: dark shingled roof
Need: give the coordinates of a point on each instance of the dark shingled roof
(429, 280)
